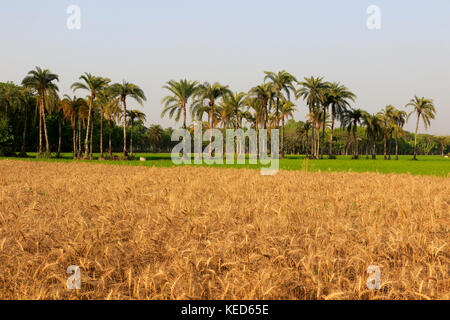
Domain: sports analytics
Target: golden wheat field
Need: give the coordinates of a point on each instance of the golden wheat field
(203, 233)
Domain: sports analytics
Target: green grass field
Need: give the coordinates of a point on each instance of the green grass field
(427, 165)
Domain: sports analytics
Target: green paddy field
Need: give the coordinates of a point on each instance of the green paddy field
(426, 165)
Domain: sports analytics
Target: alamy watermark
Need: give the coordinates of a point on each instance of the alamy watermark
(374, 19)
(374, 280)
(74, 281)
(235, 151)
(74, 19)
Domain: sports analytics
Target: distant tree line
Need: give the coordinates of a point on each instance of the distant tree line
(35, 118)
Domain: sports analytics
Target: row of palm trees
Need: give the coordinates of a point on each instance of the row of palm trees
(267, 105)
(101, 94)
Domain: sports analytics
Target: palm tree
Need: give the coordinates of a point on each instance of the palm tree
(424, 108)
(350, 121)
(385, 120)
(338, 97)
(27, 102)
(112, 114)
(303, 131)
(41, 81)
(94, 85)
(236, 102)
(122, 91)
(281, 81)
(287, 109)
(155, 134)
(313, 91)
(70, 108)
(176, 103)
(373, 128)
(9, 96)
(209, 94)
(398, 118)
(134, 115)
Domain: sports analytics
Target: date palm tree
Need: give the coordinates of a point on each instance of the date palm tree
(287, 109)
(264, 93)
(373, 128)
(398, 118)
(134, 115)
(338, 97)
(42, 82)
(112, 114)
(206, 95)
(94, 85)
(123, 91)
(176, 103)
(350, 120)
(281, 82)
(424, 108)
(70, 110)
(313, 91)
(386, 123)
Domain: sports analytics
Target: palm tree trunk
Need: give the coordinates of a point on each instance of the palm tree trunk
(374, 149)
(86, 148)
(282, 137)
(110, 148)
(390, 146)
(323, 131)
(415, 138)
(384, 140)
(59, 137)
(330, 151)
(125, 154)
(79, 139)
(183, 105)
(396, 146)
(40, 132)
(74, 138)
(131, 138)
(23, 151)
(92, 133)
(101, 135)
(47, 146)
(356, 140)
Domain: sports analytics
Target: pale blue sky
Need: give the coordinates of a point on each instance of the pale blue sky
(233, 42)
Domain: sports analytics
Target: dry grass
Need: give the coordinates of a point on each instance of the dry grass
(202, 233)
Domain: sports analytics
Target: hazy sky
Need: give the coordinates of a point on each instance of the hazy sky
(233, 42)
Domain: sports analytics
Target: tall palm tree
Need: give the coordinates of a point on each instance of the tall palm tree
(27, 102)
(94, 85)
(281, 82)
(206, 95)
(122, 91)
(373, 128)
(313, 91)
(338, 97)
(424, 108)
(385, 121)
(112, 114)
(70, 107)
(236, 102)
(350, 121)
(398, 118)
(176, 103)
(155, 135)
(134, 115)
(287, 109)
(303, 131)
(264, 93)
(42, 81)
